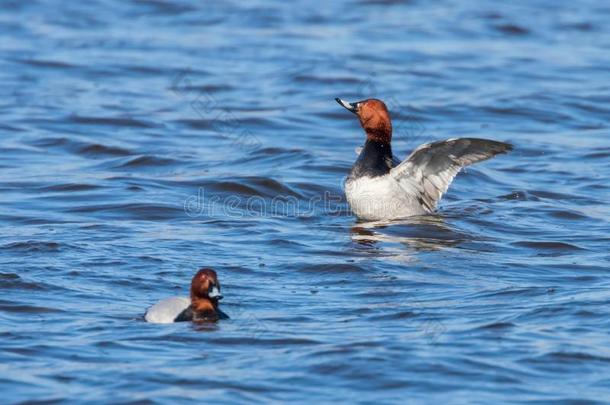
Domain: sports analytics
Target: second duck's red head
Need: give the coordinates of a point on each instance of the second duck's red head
(374, 118)
(205, 287)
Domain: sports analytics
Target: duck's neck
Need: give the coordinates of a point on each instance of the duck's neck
(374, 160)
(203, 305)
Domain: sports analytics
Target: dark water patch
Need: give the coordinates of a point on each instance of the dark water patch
(570, 358)
(544, 116)
(596, 107)
(97, 150)
(252, 186)
(396, 316)
(10, 128)
(340, 170)
(165, 8)
(309, 189)
(386, 2)
(541, 312)
(145, 161)
(111, 121)
(314, 79)
(559, 247)
(511, 29)
(559, 196)
(332, 268)
(67, 188)
(203, 89)
(518, 196)
(498, 326)
(33, 246)
(285, 243)
(14, 281)
(26, 309)
(49, 64)
(569, 215)
(45, 142)
(199, 123)
(285, 157)
(151, 259)
(513, 291)
(588, 314)
(138, 211)
(29, 220)
(584, 26)
(259, 341)
(143, 70)
(601, 153)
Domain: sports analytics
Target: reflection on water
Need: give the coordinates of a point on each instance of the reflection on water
(421, 233)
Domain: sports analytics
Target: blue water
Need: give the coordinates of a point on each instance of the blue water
(141, 140)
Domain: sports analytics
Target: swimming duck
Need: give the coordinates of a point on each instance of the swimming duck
(380, 187)
(202, 306)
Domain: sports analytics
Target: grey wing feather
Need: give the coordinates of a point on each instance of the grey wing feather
(431, 168)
